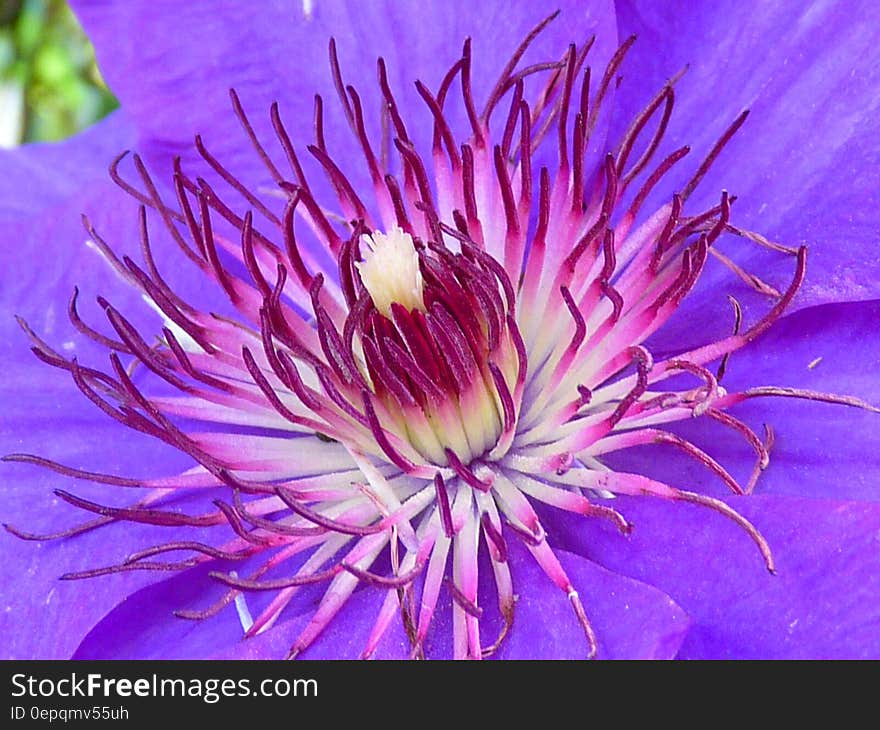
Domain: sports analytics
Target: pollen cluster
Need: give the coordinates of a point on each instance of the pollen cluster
(390, 270)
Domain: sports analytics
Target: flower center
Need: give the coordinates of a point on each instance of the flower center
(482, 356)
(434, 342)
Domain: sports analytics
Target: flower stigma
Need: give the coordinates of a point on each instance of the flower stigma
(390, 271)
(419, 368)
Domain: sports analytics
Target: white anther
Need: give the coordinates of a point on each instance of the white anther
(241, 608)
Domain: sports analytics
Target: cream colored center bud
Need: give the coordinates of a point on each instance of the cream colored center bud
(390, 270)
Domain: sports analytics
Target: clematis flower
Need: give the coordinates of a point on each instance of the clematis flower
(461, 353)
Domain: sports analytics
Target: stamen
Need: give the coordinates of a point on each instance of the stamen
(504, 76)
(467, 476)
(495, 537)
(139, 514)
(713, 154)
(398, 581)
(585, 624)
(232, 579)
(71, 472)
(61, 534)
(737, 321)
(470, 608)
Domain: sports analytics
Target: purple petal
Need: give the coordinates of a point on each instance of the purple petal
(44, 255)
(37, 176)
(820, 449)
(44, 191)
(805, 164)
(43, 617)
(345, 637)
(144, 627)
(174, 80)
(632, 620)
(824, 602)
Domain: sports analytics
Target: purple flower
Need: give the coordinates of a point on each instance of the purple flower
(402, 368)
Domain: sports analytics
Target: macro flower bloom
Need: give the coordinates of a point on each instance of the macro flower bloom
(448, 369)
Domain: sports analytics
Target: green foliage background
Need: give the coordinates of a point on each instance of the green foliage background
(50, 84)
